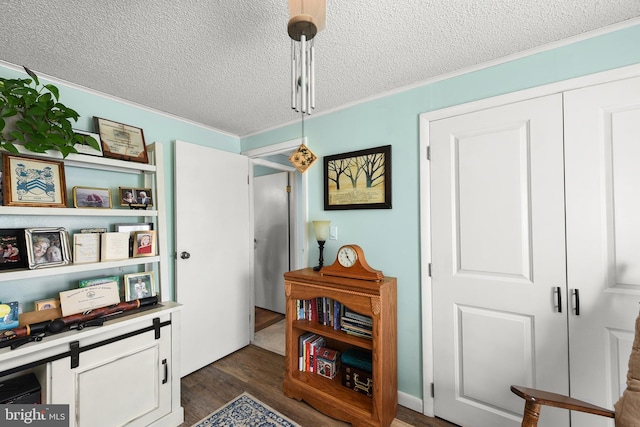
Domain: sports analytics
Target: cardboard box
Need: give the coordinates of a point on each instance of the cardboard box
(327, 362)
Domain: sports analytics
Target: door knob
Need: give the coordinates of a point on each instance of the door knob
(185, 255)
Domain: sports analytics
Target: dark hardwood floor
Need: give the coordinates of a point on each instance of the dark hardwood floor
(266, 318)
(260, 373)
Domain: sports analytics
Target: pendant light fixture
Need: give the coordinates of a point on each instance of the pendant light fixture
(306, 19)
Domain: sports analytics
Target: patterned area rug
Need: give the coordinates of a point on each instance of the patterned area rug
(245, 410)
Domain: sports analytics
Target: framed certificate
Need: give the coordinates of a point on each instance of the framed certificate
(120, 141)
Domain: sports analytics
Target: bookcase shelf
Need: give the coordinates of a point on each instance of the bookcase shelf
(374, 299)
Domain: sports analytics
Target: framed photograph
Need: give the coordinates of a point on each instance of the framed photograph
(144, 243)
(358, 179)
(133, 226)
(87, 149)
(46, 304)
(47, 247)
(139, 285)
(136, 197)
(120, 141)
(89, 197)
(33, 182)
(13, 249)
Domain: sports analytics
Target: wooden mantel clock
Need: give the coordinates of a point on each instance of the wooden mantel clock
(350, 262)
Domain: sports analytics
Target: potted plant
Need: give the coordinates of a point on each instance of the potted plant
(31, 116)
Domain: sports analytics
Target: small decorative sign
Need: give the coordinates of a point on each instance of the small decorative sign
(303, 158)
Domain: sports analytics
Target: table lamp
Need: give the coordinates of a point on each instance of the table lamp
(321, 229)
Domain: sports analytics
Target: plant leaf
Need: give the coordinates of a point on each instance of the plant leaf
(32, 74)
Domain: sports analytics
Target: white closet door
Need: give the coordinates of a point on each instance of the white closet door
(498, 255)
(602, 134)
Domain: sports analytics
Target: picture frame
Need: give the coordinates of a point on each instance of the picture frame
(47, 247)
(139, 285)
(358, 179)
(87, 149)
(144, 243)
(28, 181)
(121, 141)
(46, 304)
(91, 197)
(13, 249)
(135, 197)
(130, 228)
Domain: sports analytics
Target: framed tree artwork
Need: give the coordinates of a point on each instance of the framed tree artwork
(358, 179)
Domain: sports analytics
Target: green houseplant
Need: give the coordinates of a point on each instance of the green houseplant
(31, 116)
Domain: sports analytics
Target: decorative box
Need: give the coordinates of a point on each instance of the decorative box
(356, 371)
(327, 362)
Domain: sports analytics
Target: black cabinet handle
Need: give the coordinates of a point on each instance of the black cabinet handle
(558, 293)
(166, 371)
(576, 293)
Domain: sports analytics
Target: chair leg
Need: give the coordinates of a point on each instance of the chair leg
(531, 414)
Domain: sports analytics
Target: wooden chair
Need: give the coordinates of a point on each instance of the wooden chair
(535, 399)
(627, 409)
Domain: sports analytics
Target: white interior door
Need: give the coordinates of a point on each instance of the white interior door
(271, 234)
(498, 255)
(213, 245)
(602, 134)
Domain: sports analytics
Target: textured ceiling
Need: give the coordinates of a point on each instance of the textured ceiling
(225, 63)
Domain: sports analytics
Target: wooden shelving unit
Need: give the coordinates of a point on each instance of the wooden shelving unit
(376, 299)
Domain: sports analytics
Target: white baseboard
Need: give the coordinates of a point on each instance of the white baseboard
(410, 402)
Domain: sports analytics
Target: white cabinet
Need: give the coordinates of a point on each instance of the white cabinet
(125, 372)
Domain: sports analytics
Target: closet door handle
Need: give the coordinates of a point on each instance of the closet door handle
(558, 293)
(576, 296)
(166, 371)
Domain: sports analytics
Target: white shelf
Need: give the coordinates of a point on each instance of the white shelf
(9, 275)
(19, 210)
(92, 162)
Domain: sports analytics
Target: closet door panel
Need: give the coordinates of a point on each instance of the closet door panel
(602, 150)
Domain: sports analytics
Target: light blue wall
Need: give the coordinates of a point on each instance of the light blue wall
(391, 238)
(157, 127)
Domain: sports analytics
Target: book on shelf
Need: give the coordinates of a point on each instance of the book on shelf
(302, 344)
(356, 317)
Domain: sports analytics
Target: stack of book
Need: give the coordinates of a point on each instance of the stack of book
(356, 324)
(309, 343)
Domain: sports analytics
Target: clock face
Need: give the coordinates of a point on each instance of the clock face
(347, 256)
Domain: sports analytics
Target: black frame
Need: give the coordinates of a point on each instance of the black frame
(16, 236)
(371, 160)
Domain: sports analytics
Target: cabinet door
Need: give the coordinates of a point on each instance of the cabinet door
(498, 255)
(602, 145)
(123, 383)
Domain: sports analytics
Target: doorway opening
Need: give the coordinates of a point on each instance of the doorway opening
(275, 159)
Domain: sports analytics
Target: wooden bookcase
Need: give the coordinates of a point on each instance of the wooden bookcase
(329, 396)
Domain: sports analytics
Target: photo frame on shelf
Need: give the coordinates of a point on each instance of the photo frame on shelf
(33, 182)
(46, 304)
(121, 141)
(358, 179)
(139, 285)
(91, 197)
(47, 247)
(131, 228)
(13, 250)
(144, 243)
(87, 149)
(135, 197)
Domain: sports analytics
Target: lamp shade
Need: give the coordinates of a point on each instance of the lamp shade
(321, 228)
